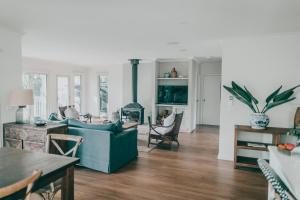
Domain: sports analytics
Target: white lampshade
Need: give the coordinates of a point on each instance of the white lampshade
(21, 97)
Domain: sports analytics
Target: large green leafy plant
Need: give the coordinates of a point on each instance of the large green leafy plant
(275, 99)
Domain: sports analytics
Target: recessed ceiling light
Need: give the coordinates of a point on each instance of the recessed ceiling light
(173, 43)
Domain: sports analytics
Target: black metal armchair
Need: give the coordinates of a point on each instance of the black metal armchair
(171, 135)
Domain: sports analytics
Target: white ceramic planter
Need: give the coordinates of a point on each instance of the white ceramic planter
(259, 120)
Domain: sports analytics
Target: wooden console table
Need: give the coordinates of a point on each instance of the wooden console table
(29, 136)
(242, 161)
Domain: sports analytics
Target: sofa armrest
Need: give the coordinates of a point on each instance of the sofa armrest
(123, 148)
(95, 147)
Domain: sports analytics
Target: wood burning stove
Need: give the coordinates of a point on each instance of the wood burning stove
(134, 111)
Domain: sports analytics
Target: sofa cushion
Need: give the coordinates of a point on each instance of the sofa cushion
(113, 127)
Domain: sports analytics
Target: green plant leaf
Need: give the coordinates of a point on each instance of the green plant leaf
(283, 95)
(277, 103)
(240, 98)
(252, 97)
(269, 98)
(241, 92)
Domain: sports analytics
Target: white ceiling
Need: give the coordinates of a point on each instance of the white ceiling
(90, 32)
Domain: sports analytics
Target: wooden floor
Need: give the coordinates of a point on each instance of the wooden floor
(190, 172)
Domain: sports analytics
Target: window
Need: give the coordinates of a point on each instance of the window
(62, 90)
(77, 92)
(38, 83)
(103, 95)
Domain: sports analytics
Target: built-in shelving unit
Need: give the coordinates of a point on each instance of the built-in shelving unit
(186, 77)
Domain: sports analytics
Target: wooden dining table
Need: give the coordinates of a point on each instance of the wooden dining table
(16, 165)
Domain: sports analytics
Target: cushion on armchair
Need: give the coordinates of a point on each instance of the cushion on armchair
(168, 123)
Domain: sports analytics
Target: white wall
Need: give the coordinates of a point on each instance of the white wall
(53, 69)
(115, 88)
(10, 72)
(262, 64)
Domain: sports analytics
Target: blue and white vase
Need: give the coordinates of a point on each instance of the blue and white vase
(259, 121)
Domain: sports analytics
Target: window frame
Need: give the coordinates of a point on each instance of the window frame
(98, 91)
(69, 88)
(81, 90)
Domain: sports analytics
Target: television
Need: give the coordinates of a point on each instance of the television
(172, 94)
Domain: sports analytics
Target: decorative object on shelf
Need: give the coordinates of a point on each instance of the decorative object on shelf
(259, 120)
(21, 98)
(167, 75)
(173, 73)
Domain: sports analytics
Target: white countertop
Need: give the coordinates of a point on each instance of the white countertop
(287, 167)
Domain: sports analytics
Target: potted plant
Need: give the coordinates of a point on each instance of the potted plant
(259, 119)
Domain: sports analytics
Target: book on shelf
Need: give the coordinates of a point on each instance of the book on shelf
(250, 144)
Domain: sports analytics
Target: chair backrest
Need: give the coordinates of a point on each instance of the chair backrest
(27, 182)
(53, 138)
(177, 124)
(280, 188)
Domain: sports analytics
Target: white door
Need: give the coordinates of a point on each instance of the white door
(211, 100)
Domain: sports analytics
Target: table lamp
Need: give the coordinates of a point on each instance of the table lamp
(21, 98)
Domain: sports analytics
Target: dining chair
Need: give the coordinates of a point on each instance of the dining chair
(74, 142)
(16, 187)
(281, 190)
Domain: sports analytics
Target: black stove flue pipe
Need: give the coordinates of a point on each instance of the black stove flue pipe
(134, 64)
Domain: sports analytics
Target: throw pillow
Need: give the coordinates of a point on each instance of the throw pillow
(53, 117)
(169, 123)
(72, 113)
(169, 120)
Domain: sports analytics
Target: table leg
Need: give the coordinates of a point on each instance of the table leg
(67, 190)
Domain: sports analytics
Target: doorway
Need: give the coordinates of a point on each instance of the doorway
(209, 93)
(211, 100)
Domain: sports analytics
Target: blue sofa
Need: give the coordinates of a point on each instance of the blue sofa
(106, 148)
